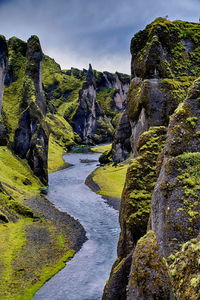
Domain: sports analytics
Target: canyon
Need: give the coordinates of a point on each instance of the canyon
(150, 172)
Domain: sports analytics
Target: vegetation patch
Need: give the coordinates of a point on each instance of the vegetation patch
(28, 257)
(140, 181)
(184, 270)
(102, 148)
(111, 179)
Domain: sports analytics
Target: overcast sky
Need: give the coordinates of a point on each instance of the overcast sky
(78, 32)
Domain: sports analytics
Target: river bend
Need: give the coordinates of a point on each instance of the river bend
(85, 275)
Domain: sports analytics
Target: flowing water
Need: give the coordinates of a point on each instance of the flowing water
(85, 275)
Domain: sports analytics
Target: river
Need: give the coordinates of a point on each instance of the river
(84, 277)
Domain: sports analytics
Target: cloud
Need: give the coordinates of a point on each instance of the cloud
(79, 32)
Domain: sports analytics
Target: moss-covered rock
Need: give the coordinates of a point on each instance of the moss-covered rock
(140, 181)
(14, 85)
(3, 66)
(166, 49)
(3, 70)
(68, 95)
(165, 63)
(149, 277)
(184, 269)
(175, 201)
(136, 197)
(115, 288)
(31, 136)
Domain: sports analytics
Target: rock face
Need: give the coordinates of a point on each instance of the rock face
(121, 146)
(85, 120)
(175, 202)
(3, 66)
(149, 276)
(161, 53)
(161, 191)
(3, 70)
(91, 120)
(31, 136)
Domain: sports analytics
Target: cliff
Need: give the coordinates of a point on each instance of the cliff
(3, 70)
(159, 213)
(164, 63)
(37, 239)
(31, 135)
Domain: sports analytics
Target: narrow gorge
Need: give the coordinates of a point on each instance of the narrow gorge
(77, 147)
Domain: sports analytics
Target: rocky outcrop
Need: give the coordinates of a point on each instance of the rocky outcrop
(175, 202)
(121, 146)
(120, 83)
(91, 120)
(161, 191)
(149, 276)
(3, 66)
(3, 70)
(163, 60)
(88, 114)
(31, 136)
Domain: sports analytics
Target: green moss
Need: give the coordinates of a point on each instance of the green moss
(149, 276)
(15, 174)
(13, 91)
(192, 121)
(27, 265)
(184, 269)
(184, 170)
(140, 181)
(116, 119)
(20, 209)
(55, 156)
(105, 98)
(174, 37)
(62, 90)
(12, 240)
(118, 266)
(3, 218)
(101, 149)
(61, 139)
(137, 98)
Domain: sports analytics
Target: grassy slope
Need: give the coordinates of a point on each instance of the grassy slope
(110, 180)
(101, 149)
(25, 262)
(61, 138)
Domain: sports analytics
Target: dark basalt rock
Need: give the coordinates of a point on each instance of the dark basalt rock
(116, 286)
(175, 201)
(3, 66)
(31, 136)
(3, 70)
(89, 121)
(121, 146)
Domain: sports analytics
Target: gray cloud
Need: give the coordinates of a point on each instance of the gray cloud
(77, 32)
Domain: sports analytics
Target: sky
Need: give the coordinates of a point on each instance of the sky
(78, 32)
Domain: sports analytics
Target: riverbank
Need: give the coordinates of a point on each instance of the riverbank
(38, 248)
(108, 181)
(36, 238)
(113, 202)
